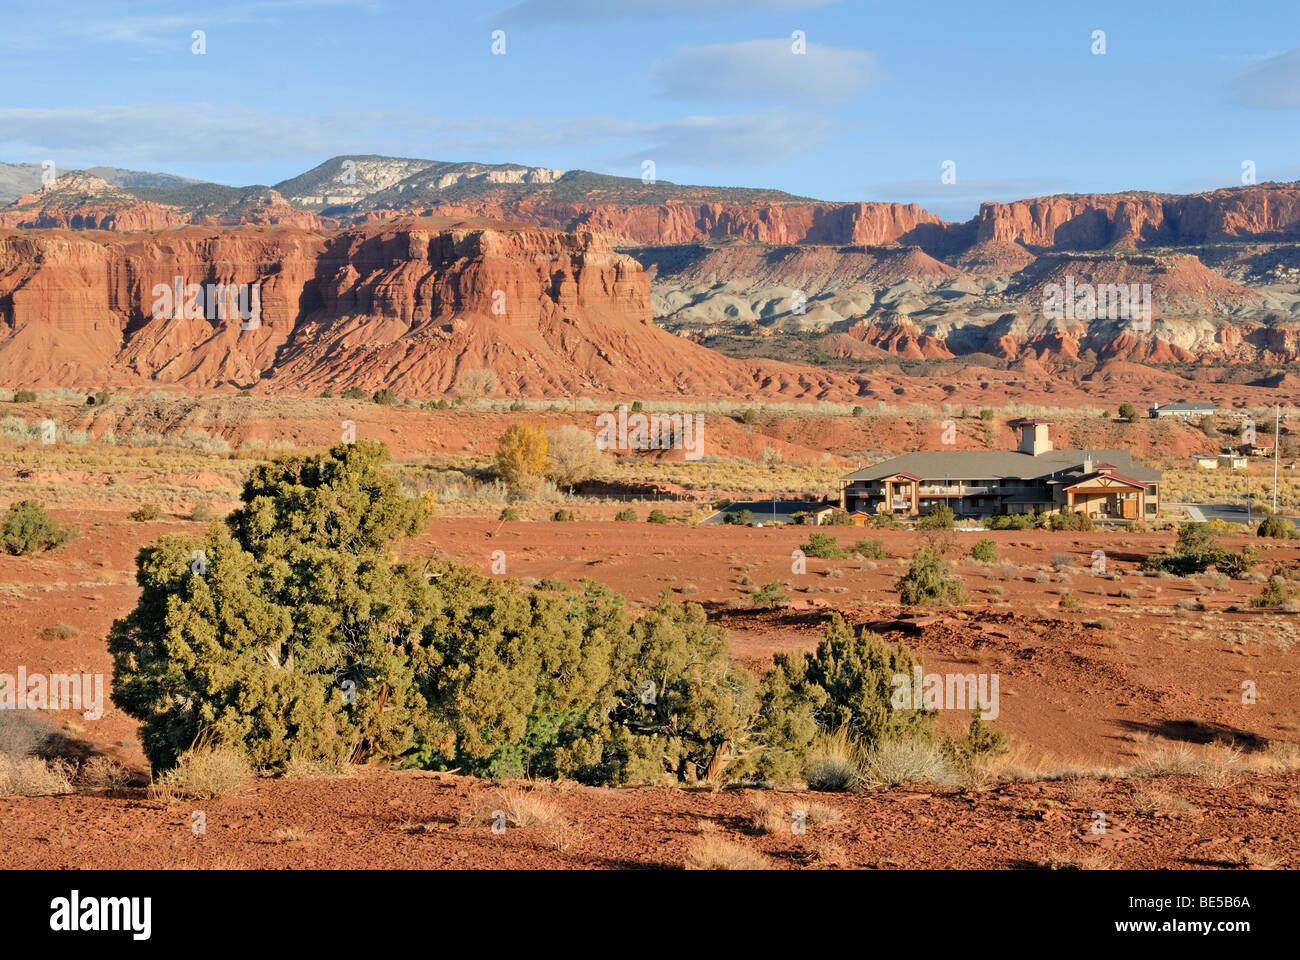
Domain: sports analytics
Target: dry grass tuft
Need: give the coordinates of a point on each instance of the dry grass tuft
(295, 835)
(1091, 860)
(712, 851)
(101, 773)
(519, 808)
(834, 764)
(207, 773)
(1154, 802)
(34, 777)
(895, 762)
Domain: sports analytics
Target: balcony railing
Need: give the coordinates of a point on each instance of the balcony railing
(954, 490)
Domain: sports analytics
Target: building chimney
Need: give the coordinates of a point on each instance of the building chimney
(1087, 463)
(1034, 438)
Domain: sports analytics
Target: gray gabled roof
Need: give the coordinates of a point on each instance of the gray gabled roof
(1184, 407)
(1063, 465)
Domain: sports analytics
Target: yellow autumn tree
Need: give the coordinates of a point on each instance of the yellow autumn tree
(521, 458)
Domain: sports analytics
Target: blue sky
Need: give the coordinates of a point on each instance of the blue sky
(710, 90)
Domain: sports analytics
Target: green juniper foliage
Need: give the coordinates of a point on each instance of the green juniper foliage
(846, 685)
(27, 528)
(293, 632)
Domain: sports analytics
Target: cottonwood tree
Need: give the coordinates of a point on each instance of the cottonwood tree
(574, 456)
(522, 459)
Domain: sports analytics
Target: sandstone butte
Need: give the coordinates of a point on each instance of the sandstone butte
(1003, 232)
(406, 304)
(1001, 235)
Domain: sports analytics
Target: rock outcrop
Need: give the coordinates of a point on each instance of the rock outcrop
(1128, 220)
(78, 201)
(408, 305)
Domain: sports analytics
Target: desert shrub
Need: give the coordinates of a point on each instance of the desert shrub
(1277, 592)
(939, 518)
(298, 596)
(574, 456)
(354, 393)
(384, 397)
(885, 520)
(977, 745)
(985, 550)
(1068, 601)
(304, 638)
(833, 762)
(1128, 412)
(846, 689)
(145, 513)
(749, 417)
(837, 518)
(658, 516)
(1237, 564)
(521, 460)
(24, 396)
(1196, 551)
(822, 546)
(27, 529)
(626, 516)
(769, 595)
(562, 516)
(1017, 521)
(1279, 528)
(871, 549)
(97, 399)
(477, 382)
(1070, 520)
(930, 581)
(508, 514)
(739, 517)
(695, 721)
(859, 411)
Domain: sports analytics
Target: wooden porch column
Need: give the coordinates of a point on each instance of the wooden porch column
(916, 493)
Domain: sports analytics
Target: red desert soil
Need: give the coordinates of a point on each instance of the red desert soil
(1104, 685)
(1099, 684)
(411, 820)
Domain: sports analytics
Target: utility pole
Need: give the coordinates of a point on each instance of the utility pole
(1277, 446)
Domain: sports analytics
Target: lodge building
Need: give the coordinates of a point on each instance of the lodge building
(1035, 478)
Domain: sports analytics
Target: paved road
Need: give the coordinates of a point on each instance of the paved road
(1229, 512)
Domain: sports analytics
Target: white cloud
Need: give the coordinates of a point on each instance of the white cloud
(155, 135)
(170, 29)
(169, 132)
(1273, 83)
(750, 139)
(546, 12)
(764, 71)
